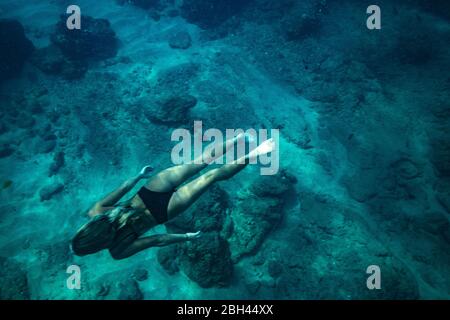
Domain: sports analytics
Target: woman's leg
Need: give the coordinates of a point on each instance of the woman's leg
(188, 194)
(171, 178)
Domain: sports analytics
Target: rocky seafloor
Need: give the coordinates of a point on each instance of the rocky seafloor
(364, 145)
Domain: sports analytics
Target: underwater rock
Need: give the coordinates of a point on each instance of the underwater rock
(180, 40)
(47, 192)
(140, 274)
(173, 111)
(13, 282)
(15, 48)
(51, 60)
(129, 290)
(167, 258)
(58, 162)
(207, 261)
(94, 41)
(6, 151)
(256, 214)
(253, 218)
(212, 13)
(209, 213)
(268, 186)
(177, 79)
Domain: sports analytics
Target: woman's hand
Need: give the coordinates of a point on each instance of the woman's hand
(192, 236)
(145, 172)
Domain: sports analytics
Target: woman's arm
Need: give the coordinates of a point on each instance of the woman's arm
(112, 198)
(158, 240)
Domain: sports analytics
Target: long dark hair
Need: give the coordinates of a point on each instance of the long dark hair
(96, 235)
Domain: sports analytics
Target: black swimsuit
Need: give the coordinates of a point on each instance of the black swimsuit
(137, 222)
(157, 203)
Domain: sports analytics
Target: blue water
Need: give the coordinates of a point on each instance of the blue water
(364, 151)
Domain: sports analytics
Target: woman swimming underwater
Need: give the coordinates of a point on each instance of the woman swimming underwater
(119, 227)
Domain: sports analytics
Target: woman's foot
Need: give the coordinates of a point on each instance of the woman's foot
(264, 148)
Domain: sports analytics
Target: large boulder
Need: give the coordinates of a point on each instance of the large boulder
(207, 261)
(172, 110)
(257, 212)
(177, 79)
(15, 48)
(252, 220)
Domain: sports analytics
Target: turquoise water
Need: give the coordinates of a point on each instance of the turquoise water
(364, 151)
